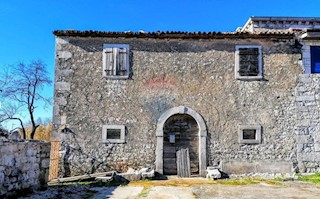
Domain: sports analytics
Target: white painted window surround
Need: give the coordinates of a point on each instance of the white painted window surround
(116, 61)
(306, 55)
(237, 63)
(118, 134)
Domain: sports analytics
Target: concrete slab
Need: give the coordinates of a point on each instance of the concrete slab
(163, 192)
(120, 192)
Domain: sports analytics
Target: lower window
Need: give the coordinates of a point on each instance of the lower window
(113, 134)
(249, 134)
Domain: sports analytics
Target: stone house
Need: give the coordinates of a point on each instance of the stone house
(245, 101)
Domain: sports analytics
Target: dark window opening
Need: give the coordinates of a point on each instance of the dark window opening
(248, 61)
(249, 134)
(113, 133)
(315, 59)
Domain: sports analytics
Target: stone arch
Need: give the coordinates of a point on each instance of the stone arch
(202, 137)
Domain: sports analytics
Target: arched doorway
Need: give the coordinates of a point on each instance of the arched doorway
(180, 131)
(170, 121)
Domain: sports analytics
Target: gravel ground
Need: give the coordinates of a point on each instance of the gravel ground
(295, 190)
(262, 190)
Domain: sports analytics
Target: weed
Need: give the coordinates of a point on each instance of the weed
(314, 178)
(144, 193)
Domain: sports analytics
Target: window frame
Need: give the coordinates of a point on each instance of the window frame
(257, 129)
(237, 63)
(313, 58)
(116, 141)
(127, 63)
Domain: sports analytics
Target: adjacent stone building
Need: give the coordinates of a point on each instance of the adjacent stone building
(245, 101)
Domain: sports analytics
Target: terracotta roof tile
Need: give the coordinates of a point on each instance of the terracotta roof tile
(174, 34)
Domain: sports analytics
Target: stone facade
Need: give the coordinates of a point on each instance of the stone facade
(185, 73)
(307, 128)
(24, 166)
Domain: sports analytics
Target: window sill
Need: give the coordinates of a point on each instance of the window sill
(249, 78)
(114, 141)
(118, 77)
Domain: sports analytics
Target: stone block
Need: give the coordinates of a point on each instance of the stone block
(45, 163)
(10, 148)
(305, 98)
(311, 156)
(237, 167)
(63, 120)
(304, 139)
(26, 167)
(64, 72)
(8, 160)
(62, 86)
(13, 179)
(300, 148)
(64, 55)
(317, 147)
(148, 174)
(61, 101)
(213, 173)
(274, 167)
(15, 171)
(61, 40)
(1, 178)
(32, 174)
(31, 151)
(125, 177)
(258, 166)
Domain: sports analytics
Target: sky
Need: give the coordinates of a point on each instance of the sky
(26, 25)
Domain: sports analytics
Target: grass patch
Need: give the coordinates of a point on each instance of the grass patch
(188, 182)
(314, 178)
(144, 193)
(240, 181)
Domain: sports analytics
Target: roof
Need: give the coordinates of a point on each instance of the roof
(174, 34)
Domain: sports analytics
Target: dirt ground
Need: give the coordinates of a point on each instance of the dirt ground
(182, 188)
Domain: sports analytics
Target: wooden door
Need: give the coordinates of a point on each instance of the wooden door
(54, 160)
(180, 132)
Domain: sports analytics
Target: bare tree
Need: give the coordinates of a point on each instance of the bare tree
(10, 112)
(21, 86)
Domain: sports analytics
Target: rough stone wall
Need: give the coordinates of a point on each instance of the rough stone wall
(24, 166)
(307, 128)
(164, 74)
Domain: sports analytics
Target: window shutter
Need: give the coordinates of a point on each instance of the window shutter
(109, 61)
(248, 61)
(123, 61)
(115, 61)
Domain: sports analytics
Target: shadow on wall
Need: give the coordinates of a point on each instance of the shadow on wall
(80, 159)
(182, 46)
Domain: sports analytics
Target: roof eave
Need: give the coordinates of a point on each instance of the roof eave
(173, 35)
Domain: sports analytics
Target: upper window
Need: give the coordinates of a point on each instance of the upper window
(315, 59)
(116, 61)
(248, 62)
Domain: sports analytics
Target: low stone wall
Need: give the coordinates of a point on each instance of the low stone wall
(24, 166)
